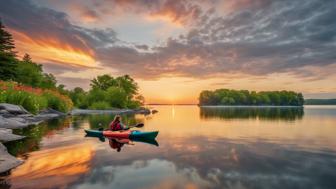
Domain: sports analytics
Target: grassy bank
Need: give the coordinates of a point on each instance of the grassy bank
(33, 99)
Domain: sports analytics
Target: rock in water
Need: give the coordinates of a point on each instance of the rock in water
(7, 135)
(7, 161)
(13, 109)
(11, 123)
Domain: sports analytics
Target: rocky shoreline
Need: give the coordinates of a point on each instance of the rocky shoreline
(16, 117)
(113, 111)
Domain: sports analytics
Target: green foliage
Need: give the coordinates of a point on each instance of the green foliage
(8, 63)
(26, 71)
(56, 103)
(29, 73)
(103, 82)
(120, 92)
(128, 84)
(124, 82)
(79, 97)
(96, 95)
(48, 81)
(244, 97)
(6, 41)
(108, 92)
(116, 97)
(100, 105)
(31, 102)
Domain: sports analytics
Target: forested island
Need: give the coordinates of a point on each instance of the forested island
(250, 98)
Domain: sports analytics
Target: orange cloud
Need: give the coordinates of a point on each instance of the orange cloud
(234, 5)
(51, 50)
(177, 12)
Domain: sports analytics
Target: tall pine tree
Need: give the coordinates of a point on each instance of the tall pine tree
(8, 62)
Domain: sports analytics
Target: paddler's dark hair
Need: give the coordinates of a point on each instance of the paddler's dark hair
(117, 118)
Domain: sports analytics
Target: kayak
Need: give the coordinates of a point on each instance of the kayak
(123, 134)
(151, 141)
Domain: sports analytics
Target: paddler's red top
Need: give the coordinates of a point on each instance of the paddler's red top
(115, 126)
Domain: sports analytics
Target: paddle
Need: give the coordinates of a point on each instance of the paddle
(137, 125)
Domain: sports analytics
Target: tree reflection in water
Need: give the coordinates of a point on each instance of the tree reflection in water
(265, 113)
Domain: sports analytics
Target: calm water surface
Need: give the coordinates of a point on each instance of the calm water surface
(198, 148)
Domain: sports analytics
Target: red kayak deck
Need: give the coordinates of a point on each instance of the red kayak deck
(117, 134)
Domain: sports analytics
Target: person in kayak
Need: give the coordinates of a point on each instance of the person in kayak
(117, 125)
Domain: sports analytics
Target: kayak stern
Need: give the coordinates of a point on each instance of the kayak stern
(147, 135)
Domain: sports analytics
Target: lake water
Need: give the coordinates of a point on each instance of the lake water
(198, 148)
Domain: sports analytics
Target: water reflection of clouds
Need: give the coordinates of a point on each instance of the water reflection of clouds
(260, 164)
(218, 163)
(56, 167)
(204, 153)
(152, 173)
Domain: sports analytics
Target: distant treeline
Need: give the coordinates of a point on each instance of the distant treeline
(245, 97)
(320, 102)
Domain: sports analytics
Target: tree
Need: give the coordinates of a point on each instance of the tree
(244, 97)
(103, 82)
(140, 99)
(79, 97)
(6, 41)
(49, 81)
(128, 85)
(26, 58)
(117, 97)
(8, 63)
(28, 72)
(300, 99)
(62, 90)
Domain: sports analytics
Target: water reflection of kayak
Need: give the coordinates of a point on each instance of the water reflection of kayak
(128, 134)
(135, 136)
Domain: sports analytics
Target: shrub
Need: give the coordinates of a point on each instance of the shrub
(117, 97)
(100, 105)
(57, 101)
(33, 99)
(96, 95)
(133, 104)
(31, 102)
(34, 103)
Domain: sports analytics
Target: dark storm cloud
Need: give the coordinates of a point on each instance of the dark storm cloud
(254, 37)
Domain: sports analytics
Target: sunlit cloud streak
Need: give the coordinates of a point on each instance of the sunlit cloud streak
(265, 37)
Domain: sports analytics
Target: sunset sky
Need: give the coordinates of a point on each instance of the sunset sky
(176, 48)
